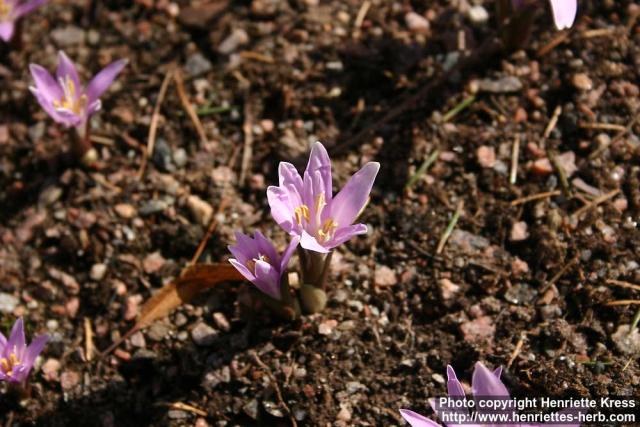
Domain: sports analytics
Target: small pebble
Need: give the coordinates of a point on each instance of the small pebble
(98, 271)
(478, 15)
(202, 211)
(203, 334)
(125, 210)
(519, 232)
(486, 156)
(8, 302)
(582, 81)
(417, 23)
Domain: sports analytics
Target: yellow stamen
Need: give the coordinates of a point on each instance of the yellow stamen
(302, 212)
(7, 365)
(69, 100)
(5, 10)
(327, 230)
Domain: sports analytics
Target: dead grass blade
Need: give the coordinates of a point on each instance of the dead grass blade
(194, 280)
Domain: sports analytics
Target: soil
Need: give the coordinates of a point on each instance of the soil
(523, 285)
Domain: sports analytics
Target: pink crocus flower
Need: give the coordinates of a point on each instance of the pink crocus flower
(11, 11)
(16, 358)
(64, 98)
(305, 206)
(485, 384)
(258, 261)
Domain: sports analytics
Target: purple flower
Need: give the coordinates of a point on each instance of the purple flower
(16, 359)
(11, 11)
(306, 207)
(484, 384)
(64, 98)
(259, 262)
(564, 12)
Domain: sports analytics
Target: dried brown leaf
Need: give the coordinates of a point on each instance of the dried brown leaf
(193, 280)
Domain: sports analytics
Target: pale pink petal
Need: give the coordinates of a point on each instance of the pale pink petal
(309, 242)
(286, 255)
(348, 203)
(319, 162)
(34, 349)
(282, 210)
(243, 270)
(564, 12)
(104, 78)
(6, 30)
(267, 279)
(417, 420)
(66, 69)
(485, 383)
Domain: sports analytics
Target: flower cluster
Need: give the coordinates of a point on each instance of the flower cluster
(16, 358)
(484, 384)
(305, 208)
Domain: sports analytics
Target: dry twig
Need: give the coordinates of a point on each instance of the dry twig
(276, 387)
(188, 108)
(155, 118)
(595, 202)
(533, 197)
(89, 348)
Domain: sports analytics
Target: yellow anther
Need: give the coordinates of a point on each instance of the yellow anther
(69, 100)
(7, 365)
(5, 10)
(320, 203)
(327, 230)
(302, 212)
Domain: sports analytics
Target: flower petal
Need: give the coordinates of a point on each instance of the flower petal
(286, 255)
(485, 383)
(417, 420)
(3, 342)
(46, 85)
(281, 208)
(288, 175)
(26, 7)
(243, 270)
(267, 279)
(564, 12)
(454, 388)
(455, 391)
(348, 203)
(66, 69)
(345, 233)
(17, 342)
(6, 30)
(309, 242)
(34, 349)
(498, 372)
(265, 247)
(104, 78)
(320, 162)
(245, 248)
